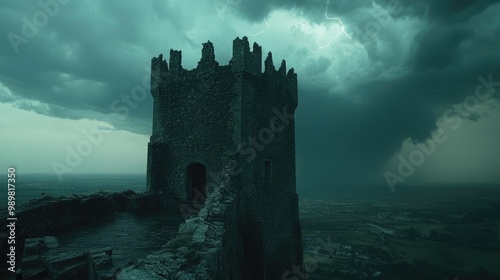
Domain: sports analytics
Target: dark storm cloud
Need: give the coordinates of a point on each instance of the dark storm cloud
(448, 11)
(456, 11)
(82, 60)
(91, 54)
(257, 10)
(356, 134)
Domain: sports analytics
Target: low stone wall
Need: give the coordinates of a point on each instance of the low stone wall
(207, 246)
(43, 260)
(53, 216)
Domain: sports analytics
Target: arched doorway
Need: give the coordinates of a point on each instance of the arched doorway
(196, 183)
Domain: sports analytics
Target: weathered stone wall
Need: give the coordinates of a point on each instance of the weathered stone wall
(277, 216)
(239, 117)
(193, 122)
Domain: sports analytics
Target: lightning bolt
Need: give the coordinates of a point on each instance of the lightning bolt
(263, 30)
(223, 10)
(220, 12)
(342, 30)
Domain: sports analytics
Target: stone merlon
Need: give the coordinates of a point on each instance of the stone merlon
(159, 69)
(282, 70)
(175, 61)
(207, 56)
(269, 65)
(165, 76)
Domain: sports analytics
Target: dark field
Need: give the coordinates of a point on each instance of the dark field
(419, 233)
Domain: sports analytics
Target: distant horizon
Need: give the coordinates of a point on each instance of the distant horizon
(32, 185)
(442, 184)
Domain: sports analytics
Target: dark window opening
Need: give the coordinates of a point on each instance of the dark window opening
(196, 182)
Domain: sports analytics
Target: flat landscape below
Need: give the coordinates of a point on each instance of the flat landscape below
(419, 233)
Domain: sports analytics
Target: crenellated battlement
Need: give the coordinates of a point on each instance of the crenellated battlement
(244, 61)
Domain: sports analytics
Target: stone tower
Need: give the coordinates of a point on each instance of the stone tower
(235, 117)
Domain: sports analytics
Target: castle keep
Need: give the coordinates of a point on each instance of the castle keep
(235, 119)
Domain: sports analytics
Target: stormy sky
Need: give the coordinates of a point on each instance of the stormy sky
(391, 92)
